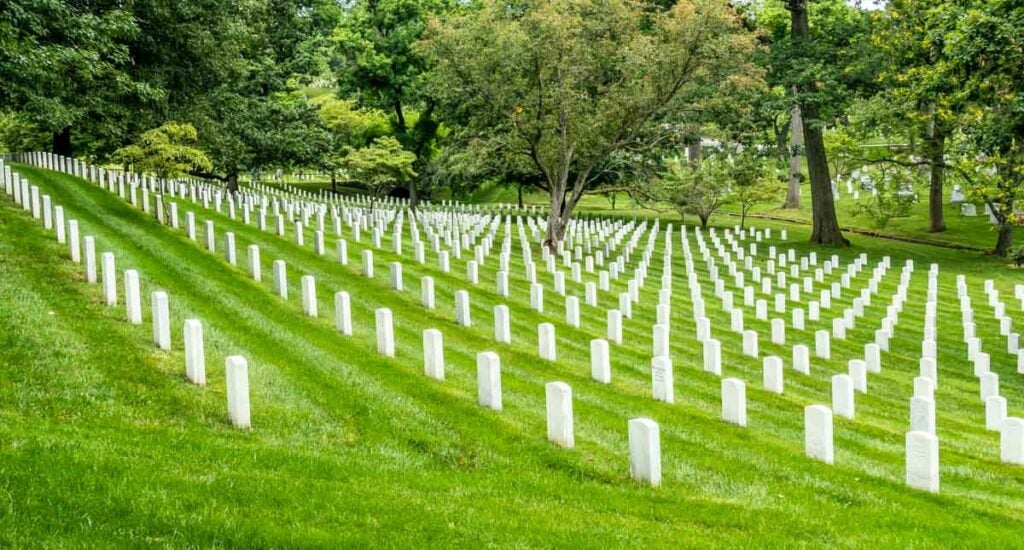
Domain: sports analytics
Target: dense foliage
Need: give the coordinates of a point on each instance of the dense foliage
(570, 97)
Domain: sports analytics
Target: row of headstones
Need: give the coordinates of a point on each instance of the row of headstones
(368, 269)
(1011, 429)
(548, 349)
(921, 445)
(778, 325)
(319, 247)
(644, 445)
(84, 251)
(192, 230)
(308, 283)
(396, 274)
(644, 438)
(1013, 339)
(645, 457)
(143, 179)
(644, 442)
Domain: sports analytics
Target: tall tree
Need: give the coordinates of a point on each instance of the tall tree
(229, 68)
(578, 88)
(65, 67)
(819, 54)
(349, 128)
(985, 46)
(379, 63)
(825, 224)
(918, 88)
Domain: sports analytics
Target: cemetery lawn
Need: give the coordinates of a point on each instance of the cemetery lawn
(104, 443)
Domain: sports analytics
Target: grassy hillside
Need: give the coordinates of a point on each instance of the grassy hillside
(106, 444)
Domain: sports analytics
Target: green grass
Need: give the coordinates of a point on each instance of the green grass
(104, 443)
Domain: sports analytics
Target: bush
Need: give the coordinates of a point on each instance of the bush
(1017, 255)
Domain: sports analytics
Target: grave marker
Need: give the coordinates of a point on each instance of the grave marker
(132, 297)
(488, 368)
(343, 313)
(773, 374)
(195, 358)
(309, 301)
(645, 451)
(109, 275)
(559, 414)
(161, 320)
(922, 464)
(662, 380)
(546, 341)
(842, 395)
(433, 354)
(385, 332)
(922, 414)
(734, 401)
(818, 442)
(237, 377)
(600, 363)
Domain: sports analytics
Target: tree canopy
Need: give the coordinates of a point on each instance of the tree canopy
(575, 87)
(568, 97)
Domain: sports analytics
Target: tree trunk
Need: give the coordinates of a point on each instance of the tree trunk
(825, 225)
(936, 217)
(556, 231)
(782, 138)
(796, 127)
(1005, 219)
(414, 197)
(1005, 240)
(703, 220)
(334, 183)
(561, 212)
(232, 180)
(519, 195)
(935, 147)
(62, 142)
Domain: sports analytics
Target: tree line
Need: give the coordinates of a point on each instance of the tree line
(681, 103)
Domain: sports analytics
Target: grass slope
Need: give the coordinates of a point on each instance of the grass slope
(104, 442)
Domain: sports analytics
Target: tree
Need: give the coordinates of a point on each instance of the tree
(348, 128)
(998, 182)
(752, 183)
(984, 45)
(379, 62)
(819, 53)
(167, 151)
(699, 188)
(796, 155)
(249, 130)
(65, 66)
(918, 87)
(381, 165)
(843, 149)
(230, 69)
(889, 199)
(574, 87)
(825, 224)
